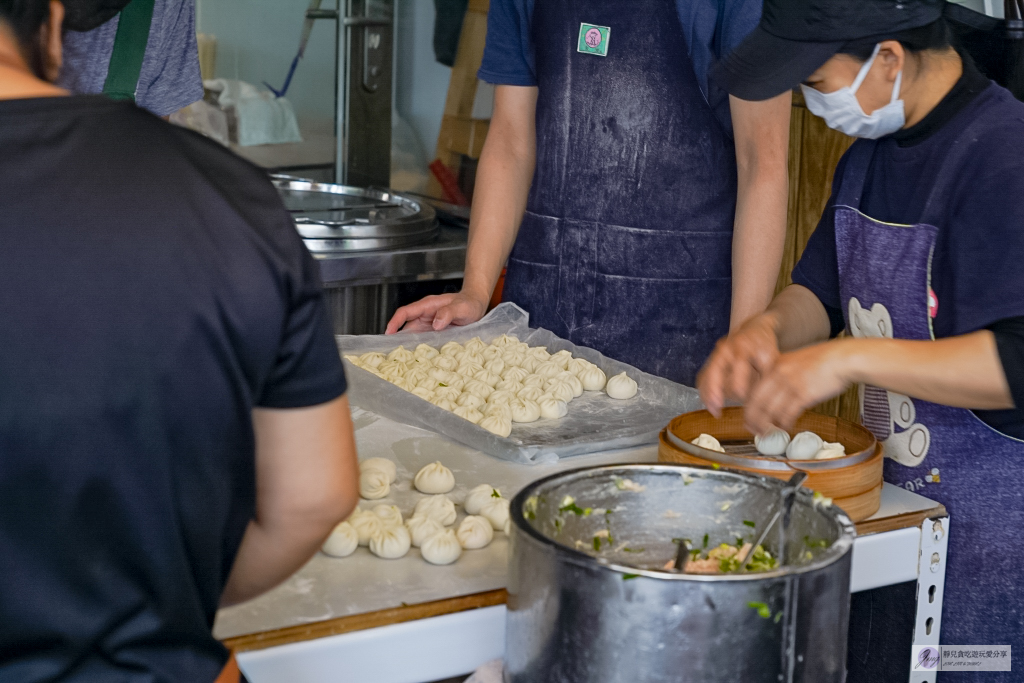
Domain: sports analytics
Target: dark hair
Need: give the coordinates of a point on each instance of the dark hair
(26, 18)
(933, 36)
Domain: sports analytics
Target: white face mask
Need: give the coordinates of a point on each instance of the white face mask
(843, 112)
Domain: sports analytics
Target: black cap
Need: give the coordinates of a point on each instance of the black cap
(795, 37)
(85, 15)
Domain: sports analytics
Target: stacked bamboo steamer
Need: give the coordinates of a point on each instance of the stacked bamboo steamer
(853, 482)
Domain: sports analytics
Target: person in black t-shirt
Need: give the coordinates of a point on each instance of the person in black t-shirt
(918, 257)
(174, 433)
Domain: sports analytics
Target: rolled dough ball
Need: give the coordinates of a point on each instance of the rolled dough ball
(496, 512)
(468, 413)
(480, 496)
(772, 443)
(366, 525)
(439, 508)
(709, 442)
(592, 378)
(552, 408)
(442, 548)
(621, 386)
(374, 484)
(804, 446)
(524, 410)
(342, 542)
(401, 354)
(474, 533)
(422, 528)
(389, 513)
(434, 478)
(496, 423)
(391, 542)
(530, 393)
(382, 464)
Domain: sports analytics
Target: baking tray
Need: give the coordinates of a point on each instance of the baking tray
(595, 422)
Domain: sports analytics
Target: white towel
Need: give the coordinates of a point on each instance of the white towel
(262, 118)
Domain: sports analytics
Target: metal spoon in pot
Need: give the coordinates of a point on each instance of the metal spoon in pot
(788, 496)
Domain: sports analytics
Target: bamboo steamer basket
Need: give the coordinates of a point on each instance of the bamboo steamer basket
(853, 482)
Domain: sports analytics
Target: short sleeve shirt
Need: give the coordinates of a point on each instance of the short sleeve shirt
(712, 29)
(153, 291)
(170, 78)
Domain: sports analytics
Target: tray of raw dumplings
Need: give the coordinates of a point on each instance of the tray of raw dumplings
(511, 391)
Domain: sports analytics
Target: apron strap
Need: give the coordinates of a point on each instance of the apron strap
(129, 50)
(857, 163)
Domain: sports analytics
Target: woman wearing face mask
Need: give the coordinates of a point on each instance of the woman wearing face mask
(918, 256)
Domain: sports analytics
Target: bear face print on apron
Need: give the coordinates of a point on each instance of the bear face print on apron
(944, 453)
(626, 244)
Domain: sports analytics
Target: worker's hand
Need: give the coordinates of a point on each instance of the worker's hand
(738, 362)
(797, 381)
(437, 312)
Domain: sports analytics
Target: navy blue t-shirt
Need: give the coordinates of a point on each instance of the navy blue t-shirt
(712, 29)
(153, 291)
(978, 262)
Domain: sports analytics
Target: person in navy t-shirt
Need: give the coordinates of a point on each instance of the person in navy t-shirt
(614, 173)
(174, 431)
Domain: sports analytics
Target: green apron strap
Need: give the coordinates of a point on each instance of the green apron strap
(129, 50)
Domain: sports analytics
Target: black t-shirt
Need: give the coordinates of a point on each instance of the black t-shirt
(152, 292)
(976, 270)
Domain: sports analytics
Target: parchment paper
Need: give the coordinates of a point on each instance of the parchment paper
(595, 422)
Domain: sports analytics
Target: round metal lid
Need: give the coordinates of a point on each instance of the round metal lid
(339, 218)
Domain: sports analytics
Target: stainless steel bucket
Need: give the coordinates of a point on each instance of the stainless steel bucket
(580, 615)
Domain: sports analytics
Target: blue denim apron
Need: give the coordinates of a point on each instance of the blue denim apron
(944, 453)
(626, 244)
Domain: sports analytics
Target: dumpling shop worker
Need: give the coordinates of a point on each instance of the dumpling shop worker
(639, 208)
(918, 257)
(174, 430)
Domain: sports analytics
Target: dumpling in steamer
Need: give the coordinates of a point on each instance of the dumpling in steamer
(709, 442)
(804, 446)
(772, 443)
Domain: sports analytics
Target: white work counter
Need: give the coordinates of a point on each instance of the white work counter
(406, 621)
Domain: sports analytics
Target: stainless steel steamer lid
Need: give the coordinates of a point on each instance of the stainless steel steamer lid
(338, 218)
(713, 502)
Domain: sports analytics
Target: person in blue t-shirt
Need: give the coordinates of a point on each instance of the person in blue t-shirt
(918, 258)
(174, 430)
(638, 207)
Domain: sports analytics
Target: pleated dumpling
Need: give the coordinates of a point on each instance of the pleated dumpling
(443, 548)
(475, 533)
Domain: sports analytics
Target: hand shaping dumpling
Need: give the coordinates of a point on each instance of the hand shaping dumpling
(772, 443)
(478, 497)
(434, 478)
(438, 507)
(342, 542)
(496, 512)
(497, 423)
(382, 464)
(804, 446)
(391, 542)
(709, 442)
(389, 513)
(422, 528)
(592, 378)
(374, 484)
(366, 525)
(475, 533)
(442, 548)
(621, 386)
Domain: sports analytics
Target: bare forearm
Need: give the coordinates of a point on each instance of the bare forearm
(269, 554)
(799, 318)
(762, 151)
(502, 186)
(963, 372)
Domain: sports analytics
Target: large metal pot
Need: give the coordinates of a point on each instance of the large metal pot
(580, 615)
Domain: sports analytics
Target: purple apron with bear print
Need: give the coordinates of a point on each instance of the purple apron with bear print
(944, 453)
(626, 244)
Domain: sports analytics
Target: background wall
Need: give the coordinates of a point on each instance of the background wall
(257, 40)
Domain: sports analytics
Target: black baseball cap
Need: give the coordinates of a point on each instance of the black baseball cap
(85, 15)
(795, 37)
